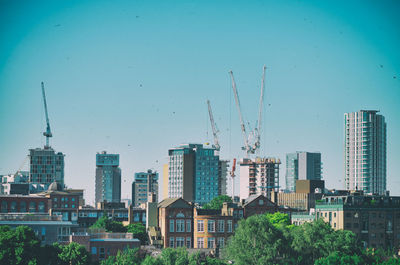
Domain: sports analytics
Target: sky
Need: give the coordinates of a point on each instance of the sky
(133, 78)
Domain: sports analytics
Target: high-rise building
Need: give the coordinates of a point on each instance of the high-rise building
(302, 166)
(193, 173)
(223, 173)
(259, 177)
(46, 166)
(108, 178)
(144, 183)
(165, 182)
(365, 151)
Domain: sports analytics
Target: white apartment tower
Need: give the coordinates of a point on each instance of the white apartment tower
(365, 151)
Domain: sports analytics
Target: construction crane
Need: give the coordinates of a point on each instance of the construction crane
(233, 178)
(47, 133)
(214, 127)
(246, 147)
(257, 130)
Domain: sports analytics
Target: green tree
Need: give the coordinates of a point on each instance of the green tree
(138, 230)
(149, 260)
(174, 256)
(279, 219)
(109, 225)
(129, 256)
(18, 246)
(73, 253)
(337, 258)
(217, 202)
(256, 241)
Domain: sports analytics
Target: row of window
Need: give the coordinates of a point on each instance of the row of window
(22, 207)
(211, 226)
(180, 226)
(210, 242)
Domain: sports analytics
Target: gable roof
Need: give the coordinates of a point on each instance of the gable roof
(252, 198)
(177, 202)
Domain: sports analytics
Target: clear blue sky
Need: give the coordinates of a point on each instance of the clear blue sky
(133, 77)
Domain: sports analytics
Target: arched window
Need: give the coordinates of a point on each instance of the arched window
(22, 207)
(4, 206)
(41, 207)
(13, 206)
(32, 207)
(180, 215)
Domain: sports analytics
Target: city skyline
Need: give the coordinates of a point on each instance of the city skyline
(133, 79)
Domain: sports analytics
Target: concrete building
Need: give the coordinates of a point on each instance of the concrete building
(302, 166)
(102, 245)
(374, 219)
(144, 183)
(365, 151)
(108, 178)
(46, 166)
(193, 173)
(259, 177)
(49, 229)
(223, 177)
(165, 182)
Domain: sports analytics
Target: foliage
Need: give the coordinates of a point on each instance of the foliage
(139, 231)
(256, 241)
(73, 253)
(129, 256)
(109, 225)
(217, 202)
(337, 258)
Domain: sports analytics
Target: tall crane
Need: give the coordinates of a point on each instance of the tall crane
(247, 147)
(47, 133)
(214, 127)
(257, 130)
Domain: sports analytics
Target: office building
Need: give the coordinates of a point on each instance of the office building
(165, 182)
(193, 173)
(365, 151)
(145, 183)
(259, 177)
(108, 178)
(46, 166)
(302, 166)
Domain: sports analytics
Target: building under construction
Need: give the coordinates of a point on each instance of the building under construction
(259, 176)
(46, 166)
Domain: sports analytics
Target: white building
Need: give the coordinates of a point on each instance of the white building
(365, 151)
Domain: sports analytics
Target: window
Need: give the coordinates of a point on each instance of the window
(221, 242)
(22, 207)
(188, 242)
(200, 242)
(200, 226)
(221, 226)
(171, 242)
(171, 226)
(32, 207)
(188, 225)
(211, 226)
(180, 242)
(13, 206)
(101, 253)
(241, 214)
(261, 202)
(211, 242)
(41, 207)
(229, 226)
(94, 250)
(180, 225)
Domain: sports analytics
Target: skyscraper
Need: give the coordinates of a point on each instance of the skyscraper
(144, 183)
(108, 178)
(46, 166)
(365, 151)
(259, 176)
(193, 173)
(303, 166)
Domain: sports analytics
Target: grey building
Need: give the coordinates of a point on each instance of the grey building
(193, 173)
(46, 166)
(365, 151)
(144, 183)
(302, 166)
(108, 178)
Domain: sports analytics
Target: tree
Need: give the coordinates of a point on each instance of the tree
(138, 230)
(217, 202)
(18, 246)
(337, 258)
(129, 256)
(109, 225)
(73, 253)
(256, 241)
(174, 256)
(278, 219)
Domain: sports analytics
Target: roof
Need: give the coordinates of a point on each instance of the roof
(116, 239)
(208, 212)
(251, 198)
(167, 202)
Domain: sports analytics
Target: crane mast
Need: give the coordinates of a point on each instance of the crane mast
(246, 147)
(214, 127)
(260, 111)
(47, 133)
